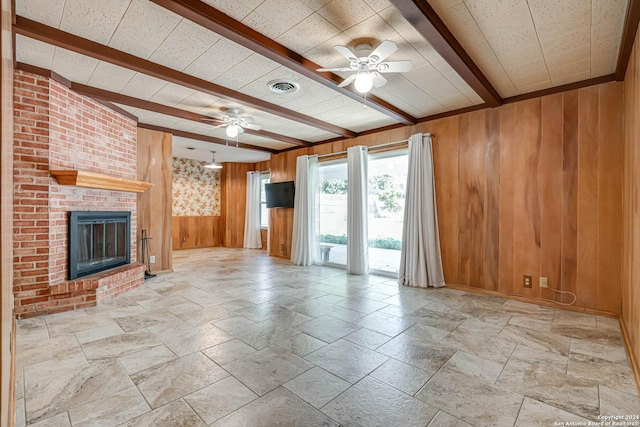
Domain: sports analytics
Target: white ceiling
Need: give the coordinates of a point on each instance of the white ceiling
(521, 46)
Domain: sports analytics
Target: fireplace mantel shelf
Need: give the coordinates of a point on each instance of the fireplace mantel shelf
(86, 179)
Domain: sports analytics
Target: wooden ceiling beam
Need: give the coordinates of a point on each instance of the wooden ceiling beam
(205, 138)
(631, 20)
(427, 22)
(59, 38)
(118, 98)
(224, 25)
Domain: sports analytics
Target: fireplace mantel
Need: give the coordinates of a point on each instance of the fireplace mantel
(87, 179)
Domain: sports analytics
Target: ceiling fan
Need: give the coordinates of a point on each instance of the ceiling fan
(234, 122)
(368, 68)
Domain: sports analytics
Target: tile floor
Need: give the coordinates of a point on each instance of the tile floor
(234, 337)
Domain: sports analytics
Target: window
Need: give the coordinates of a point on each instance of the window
(264, 212)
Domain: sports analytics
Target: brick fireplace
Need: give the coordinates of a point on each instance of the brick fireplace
(57, 129)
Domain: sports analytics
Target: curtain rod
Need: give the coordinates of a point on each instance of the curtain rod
(386, 144)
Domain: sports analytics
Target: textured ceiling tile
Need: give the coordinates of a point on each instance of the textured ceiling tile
(274, 17)
(222, 56)
(376, 28)
(560, 71)
(172, 94)
(462, 24)
(378, 5)
(526, 74)
(110, 77)
(34, 52)
(93, 20)
(201, 103)
(73, 66)
(246, 72)
(345, 14)
(184, 45)
(264, 26)
(143, 28)
(143, 86)
(48, 12)
(238, 10)
(309, 33)
(145, 116)
(608, 11)
(292, 11)
(315, 4)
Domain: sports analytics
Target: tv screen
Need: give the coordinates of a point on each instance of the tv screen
(279, 194)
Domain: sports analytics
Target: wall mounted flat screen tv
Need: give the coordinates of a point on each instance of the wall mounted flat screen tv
(279, 194)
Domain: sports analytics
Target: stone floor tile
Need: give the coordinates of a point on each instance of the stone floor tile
(327, 328)
(538, 414)
(442, 419)
(316, 386)
(267, 369)
(136, 362)
(219, 399)
(373, 403)
(108, 411)
(471, 399)
(175, 379)
(347, 360)
(279, 407)
(174, 414)
(229, 351)
(405, 378)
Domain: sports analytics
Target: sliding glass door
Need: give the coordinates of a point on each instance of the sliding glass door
(333, 212)
(386, 193)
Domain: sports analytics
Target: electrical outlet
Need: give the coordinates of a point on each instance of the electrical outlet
(543, 282)
(527, 281)
(152, 259)
(282, 248)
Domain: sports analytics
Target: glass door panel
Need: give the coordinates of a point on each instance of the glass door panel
(332, 215)
(386, 194)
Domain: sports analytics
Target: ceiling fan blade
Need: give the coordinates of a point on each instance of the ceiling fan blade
(395, 67)
(335, 69)
(378, 80)
(220, 126)
(346, 52)
(348, 80)
(252, 126)
(386, 48)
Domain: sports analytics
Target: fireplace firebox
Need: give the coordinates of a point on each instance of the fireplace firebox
(98, 241)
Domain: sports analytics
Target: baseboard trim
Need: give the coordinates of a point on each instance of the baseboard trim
(533, 300)
(633, 361)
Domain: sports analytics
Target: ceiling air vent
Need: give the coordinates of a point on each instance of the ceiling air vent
(283, 86)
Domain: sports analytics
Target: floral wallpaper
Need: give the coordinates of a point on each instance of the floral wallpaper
(196, 189)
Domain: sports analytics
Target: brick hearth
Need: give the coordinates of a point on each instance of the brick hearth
(56, 128)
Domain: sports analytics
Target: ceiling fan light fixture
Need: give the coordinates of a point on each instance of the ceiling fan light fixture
(213, 164)
(364, 82)
(232, 130)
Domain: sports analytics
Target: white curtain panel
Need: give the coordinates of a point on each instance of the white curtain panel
(420, 259)
(305, 245)
(252, 239)
(357, 230)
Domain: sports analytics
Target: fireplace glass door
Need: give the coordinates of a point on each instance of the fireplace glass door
(98, 241)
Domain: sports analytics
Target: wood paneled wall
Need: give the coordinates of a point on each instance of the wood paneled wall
(233, 181)
(534, 188)
(7, 330)
(191, 232)
(154, 205)
(281, 219)
(631, 222)
(530, 188)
